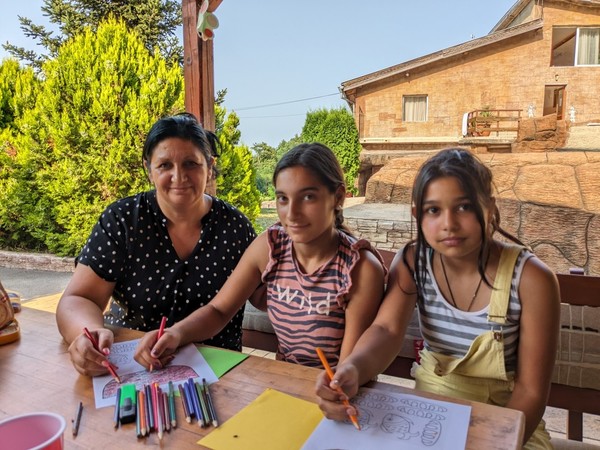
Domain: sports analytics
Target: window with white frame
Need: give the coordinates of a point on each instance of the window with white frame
(575, 46)
(414, 108)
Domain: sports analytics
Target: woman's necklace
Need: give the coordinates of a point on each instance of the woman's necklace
(450, 289)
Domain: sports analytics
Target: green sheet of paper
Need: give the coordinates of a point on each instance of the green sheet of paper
(220, 360)
(273, 421)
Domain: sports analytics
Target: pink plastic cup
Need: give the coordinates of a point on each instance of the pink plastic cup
(35, 431)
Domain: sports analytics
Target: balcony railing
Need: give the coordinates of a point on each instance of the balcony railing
(484, 122)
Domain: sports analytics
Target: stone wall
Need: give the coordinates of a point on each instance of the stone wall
(549, 200)
(540, 134)
(386, 226)
(36, 261)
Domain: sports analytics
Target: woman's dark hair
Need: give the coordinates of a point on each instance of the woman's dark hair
(183, 126)
(475, 180)
(322, 163)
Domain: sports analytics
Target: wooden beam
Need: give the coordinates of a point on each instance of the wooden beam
(198, 68)
(212, 5)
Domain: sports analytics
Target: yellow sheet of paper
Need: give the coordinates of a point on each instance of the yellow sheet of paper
(273, 421)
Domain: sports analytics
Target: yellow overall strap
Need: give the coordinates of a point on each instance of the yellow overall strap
(501, 292)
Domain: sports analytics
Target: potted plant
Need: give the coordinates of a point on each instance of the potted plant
(483, 128)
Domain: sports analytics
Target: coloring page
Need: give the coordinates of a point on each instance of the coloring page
(393, 420)
(188, 363)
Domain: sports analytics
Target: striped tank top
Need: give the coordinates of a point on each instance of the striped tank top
(308, 310)
(450, 331)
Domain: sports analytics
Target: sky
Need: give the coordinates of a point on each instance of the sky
(279, 59)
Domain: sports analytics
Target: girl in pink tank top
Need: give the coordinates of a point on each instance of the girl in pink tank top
(322, 286)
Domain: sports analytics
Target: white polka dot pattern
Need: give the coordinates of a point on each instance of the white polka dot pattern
(130, 245)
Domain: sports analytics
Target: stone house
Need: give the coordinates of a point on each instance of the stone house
(542, 59)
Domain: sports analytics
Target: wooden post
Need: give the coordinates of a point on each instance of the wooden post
(198, 68)
(198, 71)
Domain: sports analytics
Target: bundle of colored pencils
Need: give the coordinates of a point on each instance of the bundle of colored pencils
(156, 411)
(197, 403)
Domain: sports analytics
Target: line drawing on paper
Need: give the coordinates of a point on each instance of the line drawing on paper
(403, 418)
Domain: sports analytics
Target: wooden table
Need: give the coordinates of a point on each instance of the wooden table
(36, 375)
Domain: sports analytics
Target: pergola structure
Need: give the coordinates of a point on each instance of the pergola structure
(198, 65)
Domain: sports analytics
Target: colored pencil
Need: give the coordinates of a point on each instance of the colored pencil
(143, 413)
(138, 415)
(172, 405)
(330, 374)
(111, 368)
(184, 402)
(158, 412)
(196, 401)
(167, 411)
(150, 404)
(116, 414)
(210, 404)
(77, 419)
(192, 400)
(202, 399)
(161, 331)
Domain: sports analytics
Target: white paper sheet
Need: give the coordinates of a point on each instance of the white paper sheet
(188, 363)
(393, 420)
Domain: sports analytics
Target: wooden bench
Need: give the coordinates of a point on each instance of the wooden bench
(576, 381)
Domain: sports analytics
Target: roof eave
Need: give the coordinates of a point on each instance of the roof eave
(449, 52)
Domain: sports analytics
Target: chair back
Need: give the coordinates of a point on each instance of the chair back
(576, 379)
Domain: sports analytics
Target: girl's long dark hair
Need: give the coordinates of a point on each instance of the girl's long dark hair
(475, 180)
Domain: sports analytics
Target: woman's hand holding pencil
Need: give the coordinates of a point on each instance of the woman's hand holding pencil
(156, 349)
(161, 331)
(105, 363)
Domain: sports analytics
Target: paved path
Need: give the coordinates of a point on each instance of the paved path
(33, 283)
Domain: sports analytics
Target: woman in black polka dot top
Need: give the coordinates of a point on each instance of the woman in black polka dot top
(164, 252)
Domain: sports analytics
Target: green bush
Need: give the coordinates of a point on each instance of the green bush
(336, 129)
(236, 183)
(79, 148)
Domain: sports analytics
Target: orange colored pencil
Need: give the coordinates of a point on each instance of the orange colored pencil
(138, 415)
(330, 374)
(143, 421)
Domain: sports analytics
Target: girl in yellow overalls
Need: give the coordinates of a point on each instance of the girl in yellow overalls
(489, 311)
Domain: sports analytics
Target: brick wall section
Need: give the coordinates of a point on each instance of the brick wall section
(509, 75)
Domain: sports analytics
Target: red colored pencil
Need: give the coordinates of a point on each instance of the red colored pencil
(111, 367)
(161, 331)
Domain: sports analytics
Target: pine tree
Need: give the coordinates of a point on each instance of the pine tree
(155, 21)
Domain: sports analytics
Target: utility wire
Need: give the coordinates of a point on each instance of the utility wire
(271, 117)
(283, 103)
